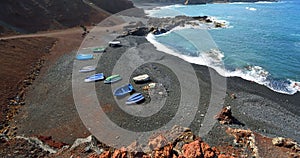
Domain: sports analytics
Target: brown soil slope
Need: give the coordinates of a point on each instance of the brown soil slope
(32, 16)
(18, 56)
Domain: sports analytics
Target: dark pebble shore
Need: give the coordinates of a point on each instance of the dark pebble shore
(254, 106)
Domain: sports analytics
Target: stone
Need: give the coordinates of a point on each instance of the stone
(105, 154)
(52, 143)
(157, 143)
(225, 116)
(278, 141)
(232, 96)
(198, 148)
(192, 149)
(167, 151)
(120, 153)
(284, 142)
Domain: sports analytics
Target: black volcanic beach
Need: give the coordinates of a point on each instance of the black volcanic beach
(256, 107)
(51, 114)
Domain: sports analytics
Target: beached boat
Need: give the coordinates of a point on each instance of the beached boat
(95, 77)
(84, 56)
(141, 78)
(123, 90)
(114, 43)
(113, 79)
(87, 69)
(135, 98)
(98, 50)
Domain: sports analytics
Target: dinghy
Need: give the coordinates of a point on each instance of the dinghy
(87, 69)
(114, 43)
(84, 56)
(135, 98)
(123, 90)
(99, 50)
(95, 77)
(112, 79)
(141, 78)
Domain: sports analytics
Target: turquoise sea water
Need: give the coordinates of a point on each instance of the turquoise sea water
(261, 44)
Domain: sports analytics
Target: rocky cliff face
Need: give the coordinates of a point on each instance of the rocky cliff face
(32, 15)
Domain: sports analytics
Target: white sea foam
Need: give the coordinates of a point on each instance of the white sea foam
(251, 8)
(214, 59)
(261, 76)
(260, 2)
(264, 2)
(240, 3)
(294, 86)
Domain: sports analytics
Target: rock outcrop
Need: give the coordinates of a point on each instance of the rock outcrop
(225, 116)
(178, 142)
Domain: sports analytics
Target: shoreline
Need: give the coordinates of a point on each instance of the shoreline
(249, 72)
(257, 107)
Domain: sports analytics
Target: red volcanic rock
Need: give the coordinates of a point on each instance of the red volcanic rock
(157, 143)
(207, 151)
(225, 116)
(52, 143)
(120, 153)
(167, 152)
(240, 135)
(192, 149)
(198, 149)
(93, 155)
(224, 156)
(105, 154)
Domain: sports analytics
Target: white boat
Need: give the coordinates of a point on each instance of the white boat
(141, 78)
(114, 43)
(87, 69)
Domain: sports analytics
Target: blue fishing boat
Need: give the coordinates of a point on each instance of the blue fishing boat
(135, 98)
(95, 77)
(123, 90)
(84, 56)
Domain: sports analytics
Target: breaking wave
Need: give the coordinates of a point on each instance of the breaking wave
(214, 58)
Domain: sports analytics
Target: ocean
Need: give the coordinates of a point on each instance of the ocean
(261, 42)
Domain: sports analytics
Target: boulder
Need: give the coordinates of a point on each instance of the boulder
(225, 116)
(158, 142)
(285, 142)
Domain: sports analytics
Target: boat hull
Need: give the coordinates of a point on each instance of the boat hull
(125, 89)
(112, 79)
(95, 77)
(135, 98)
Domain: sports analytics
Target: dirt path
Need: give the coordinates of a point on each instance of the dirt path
(56, 33)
